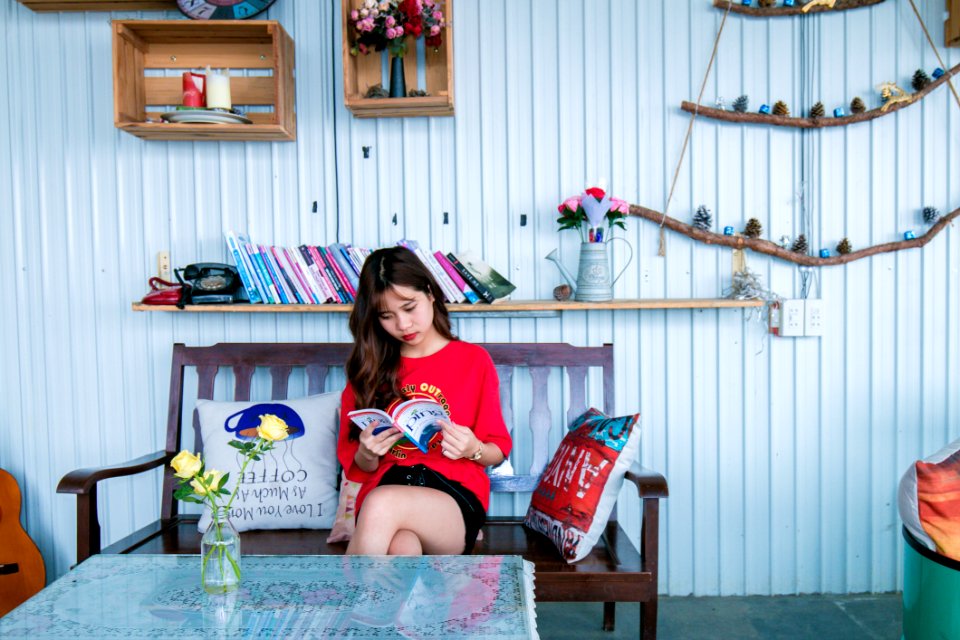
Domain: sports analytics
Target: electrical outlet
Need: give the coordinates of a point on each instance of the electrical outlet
(813, 317)
(791, 318)
(163, 265)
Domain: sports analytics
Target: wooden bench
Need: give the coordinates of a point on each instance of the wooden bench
(614, 571)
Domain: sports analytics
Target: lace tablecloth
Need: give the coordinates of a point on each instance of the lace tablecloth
(359, 597)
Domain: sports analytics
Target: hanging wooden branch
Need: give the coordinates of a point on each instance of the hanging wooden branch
(771, 12)
(775, 250)
(815, 123)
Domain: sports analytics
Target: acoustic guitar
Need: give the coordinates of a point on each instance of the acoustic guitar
(22, 573)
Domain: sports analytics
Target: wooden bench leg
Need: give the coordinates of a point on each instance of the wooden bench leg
(609, 615)
(648, 620)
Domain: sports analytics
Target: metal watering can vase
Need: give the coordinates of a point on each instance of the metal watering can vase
(593, 275)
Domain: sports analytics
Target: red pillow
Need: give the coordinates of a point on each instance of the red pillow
(938, 502)
(579, 487)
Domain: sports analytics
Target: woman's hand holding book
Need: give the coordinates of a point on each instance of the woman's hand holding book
(373, 446)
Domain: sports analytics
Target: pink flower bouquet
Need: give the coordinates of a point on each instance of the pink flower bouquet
(591, 209)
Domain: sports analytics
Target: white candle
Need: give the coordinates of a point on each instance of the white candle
(218, 89)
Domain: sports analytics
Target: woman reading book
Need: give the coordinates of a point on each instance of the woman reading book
(413, 502)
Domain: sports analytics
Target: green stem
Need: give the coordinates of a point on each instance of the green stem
(246, 460)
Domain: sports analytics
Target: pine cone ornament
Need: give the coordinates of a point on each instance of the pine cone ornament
(781, 108)
(920, 80)
(767, 3)
(753, 229)
(702, 218)
(857, 105)
(800, 244)
(818, 110)
(930, 214)
(741, 104)
(844, 247)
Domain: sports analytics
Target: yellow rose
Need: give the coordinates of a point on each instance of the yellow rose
(272, 428)
(185, 464)
(212, 479)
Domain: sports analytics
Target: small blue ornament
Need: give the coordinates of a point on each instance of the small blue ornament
(765, 109)
(838, 112)
(788, 3)
(824, 253)
(728, 231)
(937, 73)
(746, 3)
(909, 235)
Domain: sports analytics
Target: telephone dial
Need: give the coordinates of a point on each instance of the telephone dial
(212, 283)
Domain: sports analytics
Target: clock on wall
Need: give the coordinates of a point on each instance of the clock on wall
(222, 9)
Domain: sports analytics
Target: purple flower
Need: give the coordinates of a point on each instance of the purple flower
(435, 30)
(391, 33)
(399, 31)
(390, 21)
(354, 15)
(438, 16)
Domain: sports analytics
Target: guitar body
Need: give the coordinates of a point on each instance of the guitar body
(22, 573)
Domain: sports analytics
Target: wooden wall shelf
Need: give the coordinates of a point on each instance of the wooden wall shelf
(143, 50)
(361, 72)
(99, 5)
(813, 123)
(779, 11)
(508, 306)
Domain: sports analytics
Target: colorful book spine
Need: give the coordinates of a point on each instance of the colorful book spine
(481, 290)
(345, 252)
(242, 267)
(316, 292)
(331, 275)
(461, 284)
(275, 275)
(449, 291)
(293, 293)
(345, 267)
(300, 279)
(328, 293)
(273, 297)
(344, 281)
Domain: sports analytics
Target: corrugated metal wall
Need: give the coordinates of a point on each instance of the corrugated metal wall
(783, 455)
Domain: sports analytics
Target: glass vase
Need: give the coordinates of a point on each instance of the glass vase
(220, 555)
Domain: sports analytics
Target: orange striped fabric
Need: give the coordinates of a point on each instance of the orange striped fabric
(938, 501)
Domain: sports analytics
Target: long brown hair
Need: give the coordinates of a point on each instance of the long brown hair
(375, 359)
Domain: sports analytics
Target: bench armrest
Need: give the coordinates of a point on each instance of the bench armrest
(83, 483)
(650, 484)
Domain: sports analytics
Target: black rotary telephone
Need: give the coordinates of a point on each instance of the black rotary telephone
(211, 283)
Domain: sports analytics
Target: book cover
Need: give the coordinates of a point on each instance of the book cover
(331, 274)
(242, 268)
(498, 286)
(447, 287)
(293, 291)
(321, 273)
(273, 296)
(458, 280)
(306, 261)
(475, 284)
(306, 284)
(418, 419)
(343, 264)
(275, 275)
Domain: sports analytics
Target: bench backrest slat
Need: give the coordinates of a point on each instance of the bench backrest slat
(318, 359)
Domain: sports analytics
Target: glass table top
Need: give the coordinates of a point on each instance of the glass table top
(360, 597)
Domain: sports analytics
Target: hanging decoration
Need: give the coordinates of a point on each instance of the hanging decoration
(702, 218)
(780, 108)
(930, 214)
(920, 80)
(793, 9)
(891, 94)
(753, 229)
(741, 104)
(818, 110)
(844, 247)
(857, 106)
(800, 244)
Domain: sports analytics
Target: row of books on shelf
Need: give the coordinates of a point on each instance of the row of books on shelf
(310, 274)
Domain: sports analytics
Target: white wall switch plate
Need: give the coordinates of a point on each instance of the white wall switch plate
(813, 317)
(791, 318)
(163, 265)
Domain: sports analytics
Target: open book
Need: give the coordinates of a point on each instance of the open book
(418, 419)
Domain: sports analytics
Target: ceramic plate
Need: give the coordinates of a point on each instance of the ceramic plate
(205, 117)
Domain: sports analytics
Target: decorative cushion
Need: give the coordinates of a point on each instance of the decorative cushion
(293, 486)
(929, 500)
(579, 487)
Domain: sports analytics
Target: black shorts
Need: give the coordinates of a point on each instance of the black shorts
(419, 475)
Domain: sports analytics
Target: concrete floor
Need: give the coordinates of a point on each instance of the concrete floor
(817, 617)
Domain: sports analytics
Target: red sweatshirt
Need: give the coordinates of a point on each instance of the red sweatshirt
(462, 378)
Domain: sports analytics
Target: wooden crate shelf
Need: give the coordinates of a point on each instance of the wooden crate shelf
(361, 72)
(99, 5)
(506, 306)
(144, 49)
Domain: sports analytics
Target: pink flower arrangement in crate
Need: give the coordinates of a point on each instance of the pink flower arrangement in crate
(388, 24)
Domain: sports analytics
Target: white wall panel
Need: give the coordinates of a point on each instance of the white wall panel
(783, 455)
